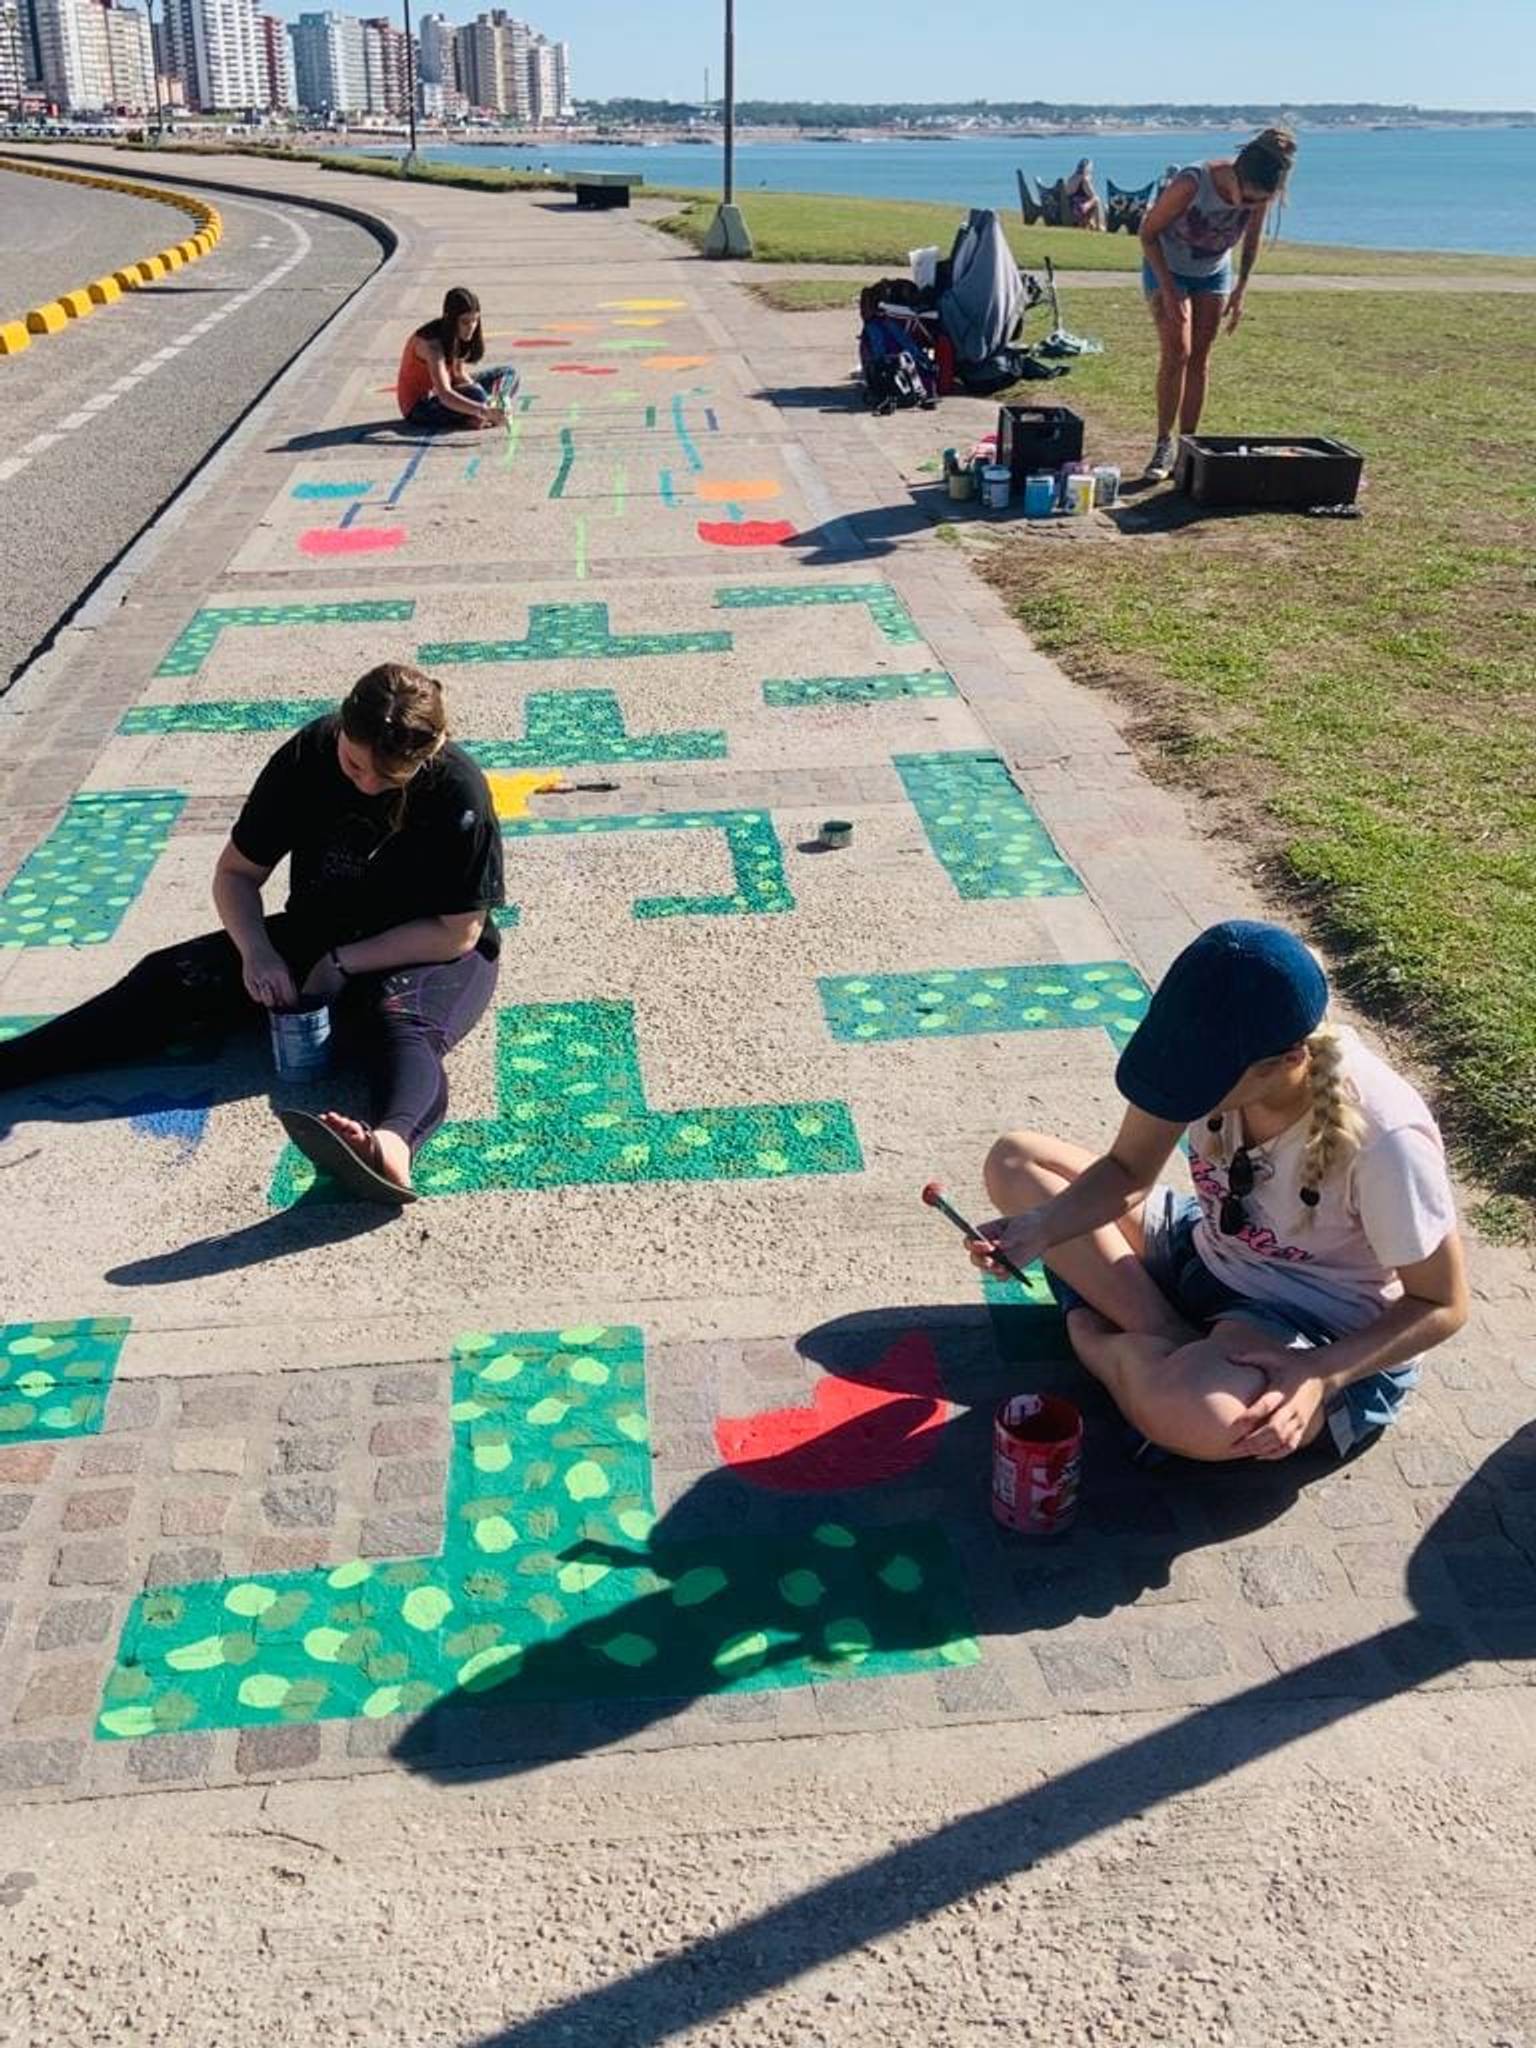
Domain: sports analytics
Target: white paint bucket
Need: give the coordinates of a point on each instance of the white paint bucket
(996, 485)
(301, 1039)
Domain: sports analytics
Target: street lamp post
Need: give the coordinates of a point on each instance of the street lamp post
(410, 82)
(154, 66)
(728, 231)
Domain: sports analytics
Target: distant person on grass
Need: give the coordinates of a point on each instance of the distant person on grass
(1291, 1295)
(434, 388)
(394, 869)
(1084, 206)
(1188, 234)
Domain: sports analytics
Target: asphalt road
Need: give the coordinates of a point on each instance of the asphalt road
(56, 237)
(106, 420)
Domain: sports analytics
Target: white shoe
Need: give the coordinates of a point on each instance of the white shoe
(1160, 467)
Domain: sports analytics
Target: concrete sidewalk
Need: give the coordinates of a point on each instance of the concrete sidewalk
(273, 1509)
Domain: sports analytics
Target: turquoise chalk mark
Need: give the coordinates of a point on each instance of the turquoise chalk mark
(735, 514)
(791, 692)
(759, 885)
(650, 415)
(75, 888)
(566, 726)
(960, 1002)
(471, 469)
(567, 463)
(55, 1377)
(981, 828)
(330, 490)
(668, 491)
(885, 607)
(685, 440)
(525, 405)
(226, 714)
(200, 635)
(513, 442)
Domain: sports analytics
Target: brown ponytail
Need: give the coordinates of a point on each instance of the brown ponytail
(1265, 163)
(397, 713)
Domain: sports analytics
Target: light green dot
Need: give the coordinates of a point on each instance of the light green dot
(494, 1533)
(586, 1480)
(263, 1690)
(467, 1411)
(385, 1699)
(693, 1134)
(489, 1667)
(352, 1573)
(249, 1599)
(589, 1372)
(636, 1524)
(902, 1574)
(772, 1162)
(130, 1721)
(740, 1654)
(699, 1585)
(206, 1654)
(581, 1335)
(33, 1385)
(581, 1577)
(634, 1426)
(848, 1639)
(491, 1457)
(325, 1644)
(961, 1650)
(57, 1418)
(426, 1607)
(802, 1588)
(506, 1365)
(834, 1536)
(544, 1414)
(629, 1649)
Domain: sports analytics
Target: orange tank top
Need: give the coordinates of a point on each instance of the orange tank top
(414, 380)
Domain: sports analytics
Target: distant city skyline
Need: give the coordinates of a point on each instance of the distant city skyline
(1477, 54)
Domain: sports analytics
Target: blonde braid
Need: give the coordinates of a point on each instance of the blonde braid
(1336, 1126)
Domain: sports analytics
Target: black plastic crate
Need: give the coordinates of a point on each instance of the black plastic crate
(1251, 469)
(1033, 437)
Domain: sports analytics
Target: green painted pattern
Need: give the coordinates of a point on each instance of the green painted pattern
(551, 1583)
(981, 828)
(564, 726)
(885, 607)
(226, 714)
(790, 692)
(13, 1027)
(200, 636)
(571, 632)
(55, 1377)
(73, 890)
(573, 1114)
(951, 1002)
(757, 860)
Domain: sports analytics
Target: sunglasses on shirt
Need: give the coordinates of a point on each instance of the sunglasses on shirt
(1233, 1217)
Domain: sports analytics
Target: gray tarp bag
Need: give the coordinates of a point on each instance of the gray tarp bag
(986, 299)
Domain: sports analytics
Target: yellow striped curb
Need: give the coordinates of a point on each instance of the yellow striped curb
(56, 314)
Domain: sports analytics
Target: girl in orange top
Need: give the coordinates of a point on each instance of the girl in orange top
(434, 388)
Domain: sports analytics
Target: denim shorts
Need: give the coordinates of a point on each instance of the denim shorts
(1355, 1414)
(1192, 287)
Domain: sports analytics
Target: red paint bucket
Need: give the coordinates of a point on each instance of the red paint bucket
(1037, 1456)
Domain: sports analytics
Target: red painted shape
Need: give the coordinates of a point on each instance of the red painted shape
(581, 370)
(745, 533)
(855, 1432)
(350, 540)
(536, 341)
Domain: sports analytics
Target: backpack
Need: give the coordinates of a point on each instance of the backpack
(897, 371)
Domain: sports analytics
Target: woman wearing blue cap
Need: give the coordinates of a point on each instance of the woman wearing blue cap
(1318, 1258)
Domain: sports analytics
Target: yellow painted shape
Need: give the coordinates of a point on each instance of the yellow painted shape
(105, 291)
(47, 318)
(644, 305)
(510, 791)
(569, 327)
(14, 337)
(672, 363)
(743, 490)
(640, 320)
(77, 304)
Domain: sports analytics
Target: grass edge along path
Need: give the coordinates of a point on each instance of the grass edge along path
(1350, 702)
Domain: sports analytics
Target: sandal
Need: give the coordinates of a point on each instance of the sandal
(334, 1157)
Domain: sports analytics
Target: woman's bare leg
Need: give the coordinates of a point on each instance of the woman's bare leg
(1205, 322)
(1173, 342)
(1192, 1399)
(1025, 1169)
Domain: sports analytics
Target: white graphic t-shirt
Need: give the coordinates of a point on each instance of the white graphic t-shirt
(1390, 1206)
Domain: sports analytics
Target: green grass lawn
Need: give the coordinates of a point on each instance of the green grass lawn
(1355, 701)
(803, 227)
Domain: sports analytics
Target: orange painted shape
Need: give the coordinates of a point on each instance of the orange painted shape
(640, 320)
(672, 363)
(581, 370)
(856, 1432)
(350, 540)
(740, 490)
(644, 305)
(570, 327)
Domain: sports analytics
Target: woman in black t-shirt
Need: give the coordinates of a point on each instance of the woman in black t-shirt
(394, 868)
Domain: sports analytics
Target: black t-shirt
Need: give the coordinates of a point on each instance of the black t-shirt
(352, 870)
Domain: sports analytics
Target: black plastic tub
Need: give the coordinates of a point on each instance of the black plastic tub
(1033, 437)
(1282, 470)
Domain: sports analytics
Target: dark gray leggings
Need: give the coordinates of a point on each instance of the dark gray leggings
(401, 1023)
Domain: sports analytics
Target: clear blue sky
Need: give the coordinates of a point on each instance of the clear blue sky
(1455, 53)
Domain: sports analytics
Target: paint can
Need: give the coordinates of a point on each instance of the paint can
(1079, 496)
(1039, 495)
(836, 832)
(1037, 1455)
(962, 483)
(996, 486)
(1106, 483)
(301, 1039)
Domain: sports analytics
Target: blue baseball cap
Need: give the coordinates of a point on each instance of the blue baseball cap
(1241, 992)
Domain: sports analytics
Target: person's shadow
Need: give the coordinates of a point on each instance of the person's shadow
(755, 1530)
(170, 1098)
(1472, 1580)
